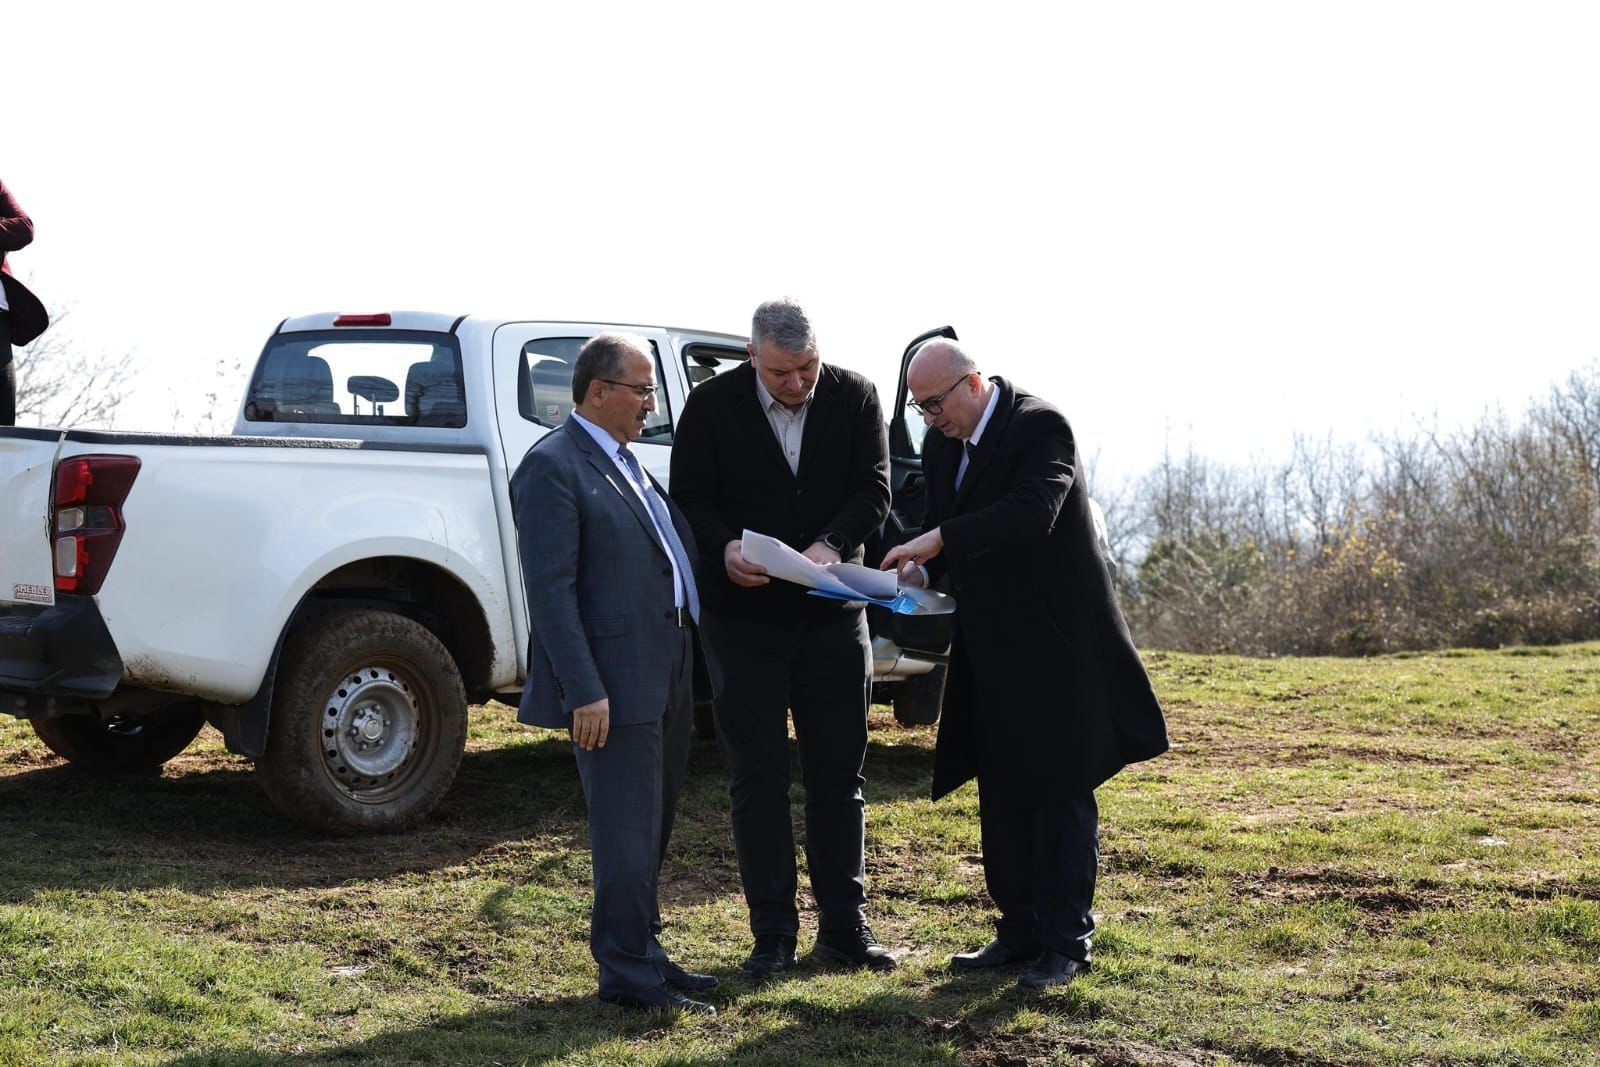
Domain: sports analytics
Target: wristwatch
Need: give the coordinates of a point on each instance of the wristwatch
(834, 541)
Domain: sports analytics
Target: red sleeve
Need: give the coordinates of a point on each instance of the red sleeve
(16, 229)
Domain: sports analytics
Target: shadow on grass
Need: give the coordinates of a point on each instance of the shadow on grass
(790, 1024)
(212, 828)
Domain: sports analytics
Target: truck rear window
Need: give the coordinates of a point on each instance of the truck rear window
(374, 377)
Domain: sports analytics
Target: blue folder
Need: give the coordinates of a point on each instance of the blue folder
(907, 602)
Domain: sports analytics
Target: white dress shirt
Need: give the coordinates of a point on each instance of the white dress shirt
(966, 453)
(977, 433)
(790, 426)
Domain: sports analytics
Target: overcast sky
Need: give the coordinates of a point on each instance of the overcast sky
(1211, 224)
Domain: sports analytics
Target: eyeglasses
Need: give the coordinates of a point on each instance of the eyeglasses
(934, 405)
(645, 392)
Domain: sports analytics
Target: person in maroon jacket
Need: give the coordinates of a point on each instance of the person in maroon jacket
(22, 317)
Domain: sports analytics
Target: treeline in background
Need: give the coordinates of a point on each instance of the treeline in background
(1481, 538)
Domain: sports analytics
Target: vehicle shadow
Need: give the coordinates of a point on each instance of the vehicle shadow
(204, 824)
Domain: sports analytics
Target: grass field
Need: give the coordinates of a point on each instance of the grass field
(1373, 862)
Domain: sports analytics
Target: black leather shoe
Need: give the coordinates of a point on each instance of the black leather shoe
(772, 955)
(853, 948)
(995, 954)
(1051, 968)
(686, 981)
(663, 999)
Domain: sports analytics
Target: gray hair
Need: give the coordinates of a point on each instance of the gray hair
(784, 323)
(954, 354)
(605, 355)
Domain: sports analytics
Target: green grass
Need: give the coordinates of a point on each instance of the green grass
(1385, 861)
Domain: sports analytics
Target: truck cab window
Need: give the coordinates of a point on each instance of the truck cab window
(546, 388)
(702, 362)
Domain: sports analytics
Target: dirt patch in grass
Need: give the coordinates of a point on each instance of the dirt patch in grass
(1165, 869)
(695, 885)
(1228, 749)
(1550, 889)
(201, 761)
(1030, 1050)
(1238, 749)
(1274, 1057)
(27, 758)
(1385, 755)
(1376, 895)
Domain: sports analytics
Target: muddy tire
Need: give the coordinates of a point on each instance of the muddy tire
(369, 721)
(121, 745)
(917, 700)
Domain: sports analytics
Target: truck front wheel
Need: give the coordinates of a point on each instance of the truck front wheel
(122, 744)
(369, 721)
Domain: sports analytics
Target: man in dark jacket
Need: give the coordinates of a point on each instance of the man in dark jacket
(1046, 697)
(792, 448)
(22, 317)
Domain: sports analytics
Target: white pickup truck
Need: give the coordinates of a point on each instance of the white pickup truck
(332, 585)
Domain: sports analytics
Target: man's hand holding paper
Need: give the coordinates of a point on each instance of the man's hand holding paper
(843, 581)
(847, 581)
(740, 570)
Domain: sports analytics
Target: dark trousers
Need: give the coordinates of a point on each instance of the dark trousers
(631, 787)
(8, 374)
(1039, 865)
(823, 673)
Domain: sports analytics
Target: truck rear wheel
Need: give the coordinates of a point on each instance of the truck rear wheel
(917, 700)
(122, 744)
(369, 721)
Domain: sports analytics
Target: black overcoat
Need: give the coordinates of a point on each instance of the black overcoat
(1046, 693)
(729, 474)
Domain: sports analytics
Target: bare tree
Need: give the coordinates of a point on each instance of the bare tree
(60, 384)
(217, 404)
(1485, 535)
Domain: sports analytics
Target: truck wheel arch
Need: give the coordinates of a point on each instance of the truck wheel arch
(418, 589)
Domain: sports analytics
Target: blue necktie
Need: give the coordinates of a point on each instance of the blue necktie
(658, 509)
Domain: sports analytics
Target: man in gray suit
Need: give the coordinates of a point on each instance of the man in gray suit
(611, 598)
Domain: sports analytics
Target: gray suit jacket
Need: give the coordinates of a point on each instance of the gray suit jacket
(598, 582)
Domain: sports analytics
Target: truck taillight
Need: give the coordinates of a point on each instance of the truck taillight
(87, 525)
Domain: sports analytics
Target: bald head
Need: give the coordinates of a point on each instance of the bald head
(943, 358)
(944, 382)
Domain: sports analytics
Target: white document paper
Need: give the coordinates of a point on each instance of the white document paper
(849, 580)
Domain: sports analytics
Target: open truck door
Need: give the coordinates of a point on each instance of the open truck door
(918, 644)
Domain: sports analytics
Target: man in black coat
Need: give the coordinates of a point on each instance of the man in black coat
(1046, 697)
(788, 447)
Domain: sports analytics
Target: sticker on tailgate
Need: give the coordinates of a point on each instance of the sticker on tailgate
(32, 594)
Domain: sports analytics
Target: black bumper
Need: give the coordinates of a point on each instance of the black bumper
(62, 651)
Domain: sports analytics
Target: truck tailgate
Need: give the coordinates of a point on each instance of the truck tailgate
(27, 573)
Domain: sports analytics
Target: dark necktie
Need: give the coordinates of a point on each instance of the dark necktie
(658, 509)
(961, 471)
